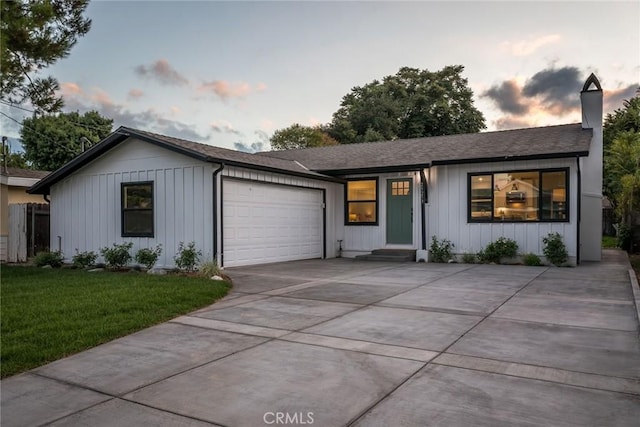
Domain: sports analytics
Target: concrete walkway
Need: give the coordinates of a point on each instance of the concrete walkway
(340, 342)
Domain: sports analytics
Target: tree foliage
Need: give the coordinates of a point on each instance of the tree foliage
(623, 164)
(17, 160)
(625, 119)
(50, 141)
(412, 103)
(298, 136)
(34, 35)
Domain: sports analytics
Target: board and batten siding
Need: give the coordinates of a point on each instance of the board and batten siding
(360, 239)
(333, 194)
(86, 206)
(446, 216)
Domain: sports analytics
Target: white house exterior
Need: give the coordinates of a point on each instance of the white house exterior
(245, 209)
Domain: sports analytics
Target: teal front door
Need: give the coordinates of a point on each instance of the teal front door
(400, 211)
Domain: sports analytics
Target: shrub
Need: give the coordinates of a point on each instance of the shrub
(117, 256)
(495, 251)
(532, 260)
(623, 236)
(440, 250)
(84, 259)
(554, 249)
(469, 258)
(209, 269)
(187, 257)
(148, 256)
(53, 259)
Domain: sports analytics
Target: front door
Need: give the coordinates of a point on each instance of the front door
(399, 211)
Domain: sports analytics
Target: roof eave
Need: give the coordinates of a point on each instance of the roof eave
(375, 169)
(545, 156)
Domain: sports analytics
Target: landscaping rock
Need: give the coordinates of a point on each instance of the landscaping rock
(157, 271)
(216, 277)
(95, 270)
(46, 266)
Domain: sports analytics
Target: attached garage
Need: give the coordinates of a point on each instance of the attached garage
(265, 222)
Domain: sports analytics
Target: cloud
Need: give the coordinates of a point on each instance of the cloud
(97, 99)
(255, 147)
(558, 88)
(162, 71)
(508, 97)
(527, 47)
(226, 90)
(224, 127)
(613, 99)
(550, 96)
(135, 94)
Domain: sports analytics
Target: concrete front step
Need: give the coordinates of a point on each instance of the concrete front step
(389, 255)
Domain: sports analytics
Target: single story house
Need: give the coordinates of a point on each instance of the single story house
(14, 183)
(243, 208)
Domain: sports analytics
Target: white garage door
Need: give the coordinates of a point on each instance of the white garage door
(265, 223)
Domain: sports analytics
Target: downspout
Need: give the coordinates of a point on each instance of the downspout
(46, 198)
(423, 200)
(215, 211)
(578, 210)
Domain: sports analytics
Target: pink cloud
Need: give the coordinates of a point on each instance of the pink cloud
(135, 93)
(225, 89)
(163, 72)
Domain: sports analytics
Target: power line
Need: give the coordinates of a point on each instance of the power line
(45, 137)
(11, 104)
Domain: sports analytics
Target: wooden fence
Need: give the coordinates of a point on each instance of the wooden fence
(28, 231)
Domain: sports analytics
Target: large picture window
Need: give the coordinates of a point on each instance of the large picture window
(361, 206)
(519, 196)
(137, 209)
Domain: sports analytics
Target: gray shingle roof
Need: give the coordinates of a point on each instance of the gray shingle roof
(25, 173)
(542, 142)
(224, 154)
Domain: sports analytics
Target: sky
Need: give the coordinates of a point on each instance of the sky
(231, 73)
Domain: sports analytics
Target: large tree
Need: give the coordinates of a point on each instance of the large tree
(298, 136)
(412, 103)
(33, 35)
(50, 141)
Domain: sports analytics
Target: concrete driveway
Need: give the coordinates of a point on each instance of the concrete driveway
(340, 342)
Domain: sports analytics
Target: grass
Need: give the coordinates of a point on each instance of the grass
(609, 242)
(49, 314)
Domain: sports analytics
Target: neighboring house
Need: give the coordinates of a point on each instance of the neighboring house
(14, 183)
(244, 208)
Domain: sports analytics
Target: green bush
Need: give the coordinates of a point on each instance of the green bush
(84, 259)
(187, 257)
(623, 236)
(53, 259)
(148, 256)
(532, 260)
(495, 251)
(469, 258)
(117, 256)
(554, 249)
(440, 250)
(209, 269)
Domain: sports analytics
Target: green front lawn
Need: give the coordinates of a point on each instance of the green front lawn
(48, 314)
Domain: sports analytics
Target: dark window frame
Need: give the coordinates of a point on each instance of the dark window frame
(123, 210)
(493, 220)
(376, 201)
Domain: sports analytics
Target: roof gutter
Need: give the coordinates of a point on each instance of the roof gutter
(377, 169)
(511, 158)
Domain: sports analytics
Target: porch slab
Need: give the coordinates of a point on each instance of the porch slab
(123, 413)
(589, 313)
(394, 326)
(332, 385)
(347, 292)
(145, 357)
(281, 312)
(428, 297)
(448, 396)
(598, 351)
(29, 400)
